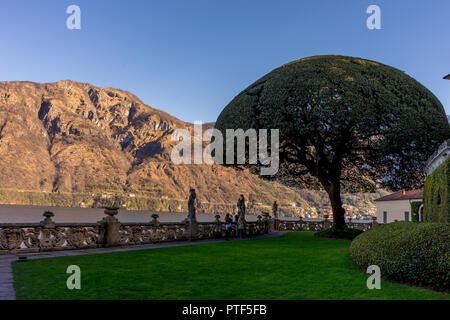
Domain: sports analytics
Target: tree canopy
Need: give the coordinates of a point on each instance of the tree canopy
(343, 122)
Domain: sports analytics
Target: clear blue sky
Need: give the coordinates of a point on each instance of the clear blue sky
(191, 57)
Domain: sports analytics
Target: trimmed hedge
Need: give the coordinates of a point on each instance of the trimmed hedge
(415, 210)
(437, 194)
(347, 233)
(416, 253)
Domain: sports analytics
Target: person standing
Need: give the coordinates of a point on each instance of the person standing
(236, 222)
(228, 226)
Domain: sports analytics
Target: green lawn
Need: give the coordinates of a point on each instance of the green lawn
(294, 266)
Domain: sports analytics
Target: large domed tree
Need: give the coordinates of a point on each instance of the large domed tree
(345, 124)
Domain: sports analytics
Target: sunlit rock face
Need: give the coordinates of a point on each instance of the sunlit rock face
(77, 138)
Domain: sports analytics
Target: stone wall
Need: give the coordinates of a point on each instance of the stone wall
(316, 225)
(49, 236)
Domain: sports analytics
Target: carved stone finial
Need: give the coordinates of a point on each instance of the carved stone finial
(111, 211)
(48, 222)
(48, 214)
(155, 221)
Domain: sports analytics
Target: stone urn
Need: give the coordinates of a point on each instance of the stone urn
(111, 211)
(48, 214)
(48, 222)
(155, 221)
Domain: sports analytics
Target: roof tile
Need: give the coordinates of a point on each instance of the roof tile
(411, 194)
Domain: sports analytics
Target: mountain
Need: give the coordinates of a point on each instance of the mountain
(75, 144)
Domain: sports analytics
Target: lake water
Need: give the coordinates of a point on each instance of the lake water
(30, 214)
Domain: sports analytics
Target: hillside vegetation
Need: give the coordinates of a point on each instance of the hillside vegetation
(74, 144)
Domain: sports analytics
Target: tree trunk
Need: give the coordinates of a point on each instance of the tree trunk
(333, 189)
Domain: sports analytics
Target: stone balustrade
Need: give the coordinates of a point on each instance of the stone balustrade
(316, 225)
(48, 235)
(34, 237)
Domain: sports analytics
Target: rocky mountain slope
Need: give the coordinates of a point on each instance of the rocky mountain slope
(70, 143)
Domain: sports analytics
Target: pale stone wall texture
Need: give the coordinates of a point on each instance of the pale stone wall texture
(395, 210)
(50, 236)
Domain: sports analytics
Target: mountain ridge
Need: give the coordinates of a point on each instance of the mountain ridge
(69, 137)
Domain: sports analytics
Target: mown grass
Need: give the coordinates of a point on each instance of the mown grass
(294, 266)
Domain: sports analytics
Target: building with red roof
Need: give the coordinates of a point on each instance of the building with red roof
(397, 206)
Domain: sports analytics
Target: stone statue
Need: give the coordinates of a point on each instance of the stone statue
(241, 213)
(241, 205)
(275, 210)
(191, 206)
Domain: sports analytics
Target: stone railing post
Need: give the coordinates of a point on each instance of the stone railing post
(191, 229)
(266, 221)
(302, 223)
(276, 223)
(374, 222)
(155, 222)
(259, 222)
(326, 222)
(155, 225)
(350, 223)
(218, 226)
(110, 226)
(48, 225)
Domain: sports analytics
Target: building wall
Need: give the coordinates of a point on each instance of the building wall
(395, 210)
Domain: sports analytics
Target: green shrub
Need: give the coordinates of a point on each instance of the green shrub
(437, 194)
(347, 233)
(416, 253)
(415, 210)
